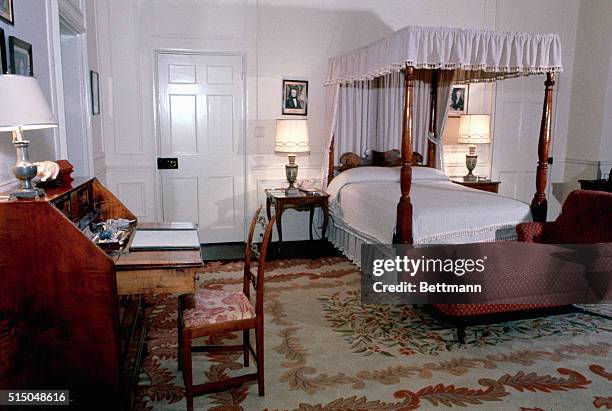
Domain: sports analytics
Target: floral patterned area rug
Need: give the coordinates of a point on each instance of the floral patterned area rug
(325, 351)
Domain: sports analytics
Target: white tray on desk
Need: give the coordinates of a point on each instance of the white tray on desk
(165, 240)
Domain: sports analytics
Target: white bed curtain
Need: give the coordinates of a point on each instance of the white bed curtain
(364, 88)
(369, 113)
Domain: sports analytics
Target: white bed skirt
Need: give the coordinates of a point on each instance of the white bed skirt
(349, 240)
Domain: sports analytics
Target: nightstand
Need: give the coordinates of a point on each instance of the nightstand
(303, 201)
(484, 185)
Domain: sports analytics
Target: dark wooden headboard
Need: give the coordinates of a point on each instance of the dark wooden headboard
(391, 158)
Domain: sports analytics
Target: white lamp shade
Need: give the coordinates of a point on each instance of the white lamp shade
(474, 129)
(292, 136)
(23, 104)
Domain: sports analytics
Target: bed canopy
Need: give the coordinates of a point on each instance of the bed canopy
(394, 93)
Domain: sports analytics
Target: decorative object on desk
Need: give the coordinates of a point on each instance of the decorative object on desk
(22, 62)
(292, 138)
(24, 107)
(458, 100)
(65, 173)
(95, 92)
(295, 97)
(473, 129)
(47, 170)
(6, 11)
(3, 61)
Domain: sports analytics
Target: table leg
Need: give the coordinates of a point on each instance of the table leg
(325, 208)
(310, 224)
(279, 227)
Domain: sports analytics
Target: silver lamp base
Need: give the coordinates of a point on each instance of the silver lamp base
(291, 171)
(24, 170)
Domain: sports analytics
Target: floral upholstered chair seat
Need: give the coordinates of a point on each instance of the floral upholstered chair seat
(207, 307)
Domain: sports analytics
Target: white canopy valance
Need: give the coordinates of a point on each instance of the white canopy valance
(477, 55)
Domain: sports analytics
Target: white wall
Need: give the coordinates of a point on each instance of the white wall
(589, 146)
(280, 39)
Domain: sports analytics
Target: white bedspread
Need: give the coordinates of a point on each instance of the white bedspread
(443, 212)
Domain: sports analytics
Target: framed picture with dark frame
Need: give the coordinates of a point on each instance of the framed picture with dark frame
(458, 102)
(295, 97)
(6, 11)
(95, 92)
(22, 62)
(3, 62)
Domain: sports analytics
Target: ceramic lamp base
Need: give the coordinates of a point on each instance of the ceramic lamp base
(291, 171)
(470, 162)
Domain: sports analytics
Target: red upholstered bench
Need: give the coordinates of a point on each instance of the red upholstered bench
(586, 218)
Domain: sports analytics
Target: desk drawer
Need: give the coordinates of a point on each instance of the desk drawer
(155, 281)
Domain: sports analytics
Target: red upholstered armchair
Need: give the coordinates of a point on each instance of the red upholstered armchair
(586, 218)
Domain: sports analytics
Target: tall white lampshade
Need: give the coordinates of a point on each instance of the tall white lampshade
(292, 137)
(474, 129)
(24, 107)
(23, 104)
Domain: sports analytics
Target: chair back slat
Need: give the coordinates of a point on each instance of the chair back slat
(246, 286)
(249, 277)
(259, 290)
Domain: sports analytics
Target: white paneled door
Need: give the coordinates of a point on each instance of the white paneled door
(202, 159)
(518, 112)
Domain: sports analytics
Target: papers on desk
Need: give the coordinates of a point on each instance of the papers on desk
(166, 240)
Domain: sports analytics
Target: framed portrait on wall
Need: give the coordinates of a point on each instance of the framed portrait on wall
(95, 92)
(6, 11)
(295, 97)
(3, 61)
(21, 57)
(458, 102)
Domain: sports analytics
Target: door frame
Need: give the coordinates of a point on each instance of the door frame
(60, 14)
(157, 126)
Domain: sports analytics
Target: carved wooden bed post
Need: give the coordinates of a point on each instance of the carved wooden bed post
(433, 119)
(539, 205)
(404, 207)
(330, 166)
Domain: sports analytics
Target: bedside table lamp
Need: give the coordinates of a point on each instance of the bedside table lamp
(24, 107)
(292, 138)
(473, 129)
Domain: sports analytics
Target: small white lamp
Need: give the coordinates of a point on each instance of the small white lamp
(24, 107)
(292, 138)
(473, 129)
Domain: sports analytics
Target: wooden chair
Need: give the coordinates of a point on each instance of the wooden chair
(210, 312)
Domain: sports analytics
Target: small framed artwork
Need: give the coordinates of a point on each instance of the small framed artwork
(3, 62)
(295, 97)
(458, 100)
(6, 11)
(95, 92)
(21, 57)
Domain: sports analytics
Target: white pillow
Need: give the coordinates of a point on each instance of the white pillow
(428, 173)
(372, 174)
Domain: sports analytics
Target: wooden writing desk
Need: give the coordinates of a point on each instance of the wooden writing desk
(73, 315)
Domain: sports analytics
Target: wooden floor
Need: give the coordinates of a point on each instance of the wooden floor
(289, 249)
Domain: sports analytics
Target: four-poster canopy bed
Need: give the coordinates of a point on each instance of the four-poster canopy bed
(430, 60)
